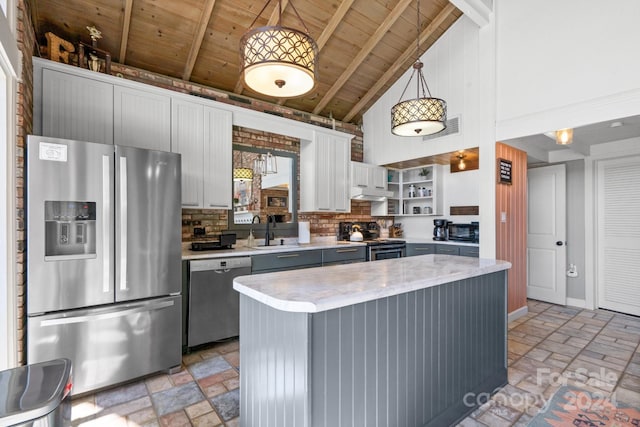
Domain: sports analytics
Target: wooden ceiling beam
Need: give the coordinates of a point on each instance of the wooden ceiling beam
(333, 23)
(273, 20)
(198, 37)
(128, 7)
(329, 30)
(444, 14)
(362, 55)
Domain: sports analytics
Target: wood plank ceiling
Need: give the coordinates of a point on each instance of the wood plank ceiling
(365, 45)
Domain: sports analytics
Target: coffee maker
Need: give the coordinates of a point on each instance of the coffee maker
(440, 229)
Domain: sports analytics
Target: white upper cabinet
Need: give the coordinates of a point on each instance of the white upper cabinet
(187, 136)
(142, 119)
(75, 108)
(325, 180)
(218, 158)
(368, 176)
(203, 136)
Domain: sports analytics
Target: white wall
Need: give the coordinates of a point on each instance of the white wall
(451, 71)
(565, 63)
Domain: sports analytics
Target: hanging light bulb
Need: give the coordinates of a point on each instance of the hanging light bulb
(423, 115)
(461, 164)
(271, 165)
(564, 136)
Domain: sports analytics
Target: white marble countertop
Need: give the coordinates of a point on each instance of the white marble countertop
(242, 250)
(315, 290)
(290, 245)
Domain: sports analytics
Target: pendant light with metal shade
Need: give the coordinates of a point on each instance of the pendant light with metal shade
(423, 115)
(278, 61)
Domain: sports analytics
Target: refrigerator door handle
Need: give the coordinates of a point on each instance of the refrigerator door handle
(118, 312)
(106, 209)
(123, 224)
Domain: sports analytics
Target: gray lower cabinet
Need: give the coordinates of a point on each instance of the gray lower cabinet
(280, 261)
(472, 251)
(345, 255)
(414, 249)
(447, 250)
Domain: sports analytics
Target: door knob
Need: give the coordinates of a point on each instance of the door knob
(559, 243)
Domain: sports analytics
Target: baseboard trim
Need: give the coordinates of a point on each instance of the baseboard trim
(518, 313)
(576, 302)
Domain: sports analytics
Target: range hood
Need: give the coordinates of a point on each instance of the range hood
(371, 194)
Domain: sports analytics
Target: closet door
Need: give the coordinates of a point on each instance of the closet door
(618, 245)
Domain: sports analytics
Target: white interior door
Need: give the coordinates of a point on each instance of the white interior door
(546, 234)
(618, 244)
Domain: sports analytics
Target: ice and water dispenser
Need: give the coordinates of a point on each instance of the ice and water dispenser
(70, 230)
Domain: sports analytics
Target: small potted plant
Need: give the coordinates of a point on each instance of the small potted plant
(425, 172)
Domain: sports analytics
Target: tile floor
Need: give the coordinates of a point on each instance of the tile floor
(550, 346)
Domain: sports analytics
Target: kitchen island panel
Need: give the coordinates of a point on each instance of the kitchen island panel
(403, 360)
(274, 361)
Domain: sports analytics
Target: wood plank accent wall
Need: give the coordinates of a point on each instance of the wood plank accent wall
(511, 236)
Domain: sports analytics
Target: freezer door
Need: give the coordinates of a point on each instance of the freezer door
(69, 224)
(148, 223)
(109, 345)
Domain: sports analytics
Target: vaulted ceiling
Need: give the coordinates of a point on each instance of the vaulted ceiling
(365, 45)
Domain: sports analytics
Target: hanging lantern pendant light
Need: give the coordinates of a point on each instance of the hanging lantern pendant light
(278, 61)
(422, 115)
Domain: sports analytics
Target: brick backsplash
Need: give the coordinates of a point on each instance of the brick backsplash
(322, 224)
(24, 126)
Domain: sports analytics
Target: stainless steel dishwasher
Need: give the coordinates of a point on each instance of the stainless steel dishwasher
(214, 307)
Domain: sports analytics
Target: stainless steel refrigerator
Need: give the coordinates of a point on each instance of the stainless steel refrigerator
(103, 259)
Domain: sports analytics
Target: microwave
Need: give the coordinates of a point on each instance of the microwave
(464, 232)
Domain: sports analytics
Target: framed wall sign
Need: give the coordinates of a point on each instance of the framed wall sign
(504, 171)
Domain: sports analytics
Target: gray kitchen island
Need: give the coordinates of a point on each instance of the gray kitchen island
(417, 341)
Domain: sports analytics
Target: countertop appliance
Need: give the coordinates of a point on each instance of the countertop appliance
(214, 306)
(103, 259)
(377, 248)
(225, 241)
(440, 229)
(464, 232)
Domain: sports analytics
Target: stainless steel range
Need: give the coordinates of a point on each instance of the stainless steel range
(377, 248)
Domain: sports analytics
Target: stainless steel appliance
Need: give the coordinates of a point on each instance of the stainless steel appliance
(464, 232)
(103, 259)
(440, 229)
(214, 307)
(377, 249)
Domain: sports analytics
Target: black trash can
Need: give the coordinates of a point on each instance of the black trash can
(36, 394)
